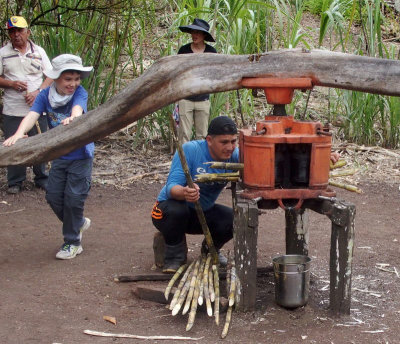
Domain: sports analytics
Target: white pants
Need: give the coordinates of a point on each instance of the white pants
(190, 113)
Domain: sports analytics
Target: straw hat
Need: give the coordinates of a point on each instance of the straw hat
(65, 62)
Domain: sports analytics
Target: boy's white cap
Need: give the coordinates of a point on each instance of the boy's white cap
(65, 62)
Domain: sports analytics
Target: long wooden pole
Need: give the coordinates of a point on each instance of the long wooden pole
(176, 77)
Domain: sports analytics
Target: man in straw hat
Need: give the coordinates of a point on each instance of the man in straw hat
(70, 174)
(195, 109)
(21, 75)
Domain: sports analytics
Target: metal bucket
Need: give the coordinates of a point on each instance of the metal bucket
(292, 280)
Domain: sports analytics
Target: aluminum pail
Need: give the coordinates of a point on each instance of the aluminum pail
(292, 280)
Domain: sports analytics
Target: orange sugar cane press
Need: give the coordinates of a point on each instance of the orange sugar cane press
(285, 161)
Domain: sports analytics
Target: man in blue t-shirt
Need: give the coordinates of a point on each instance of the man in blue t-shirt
(174, 214)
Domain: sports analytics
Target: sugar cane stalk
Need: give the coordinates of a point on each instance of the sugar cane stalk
(227, 322)
(201, 290)
(233, 287)
(189, 182)
(173, 280)
(337, 164)
(216, 287)
(193, 308)
(342, 173)
(226, 165)
(180, 286)
(228, 280)
(345, 186)
(206, 290)
(191, 287)
(211, 178)
(182, 294)
(211, 285)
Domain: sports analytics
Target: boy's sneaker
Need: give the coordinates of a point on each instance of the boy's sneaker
(85, 226)
(68, 251)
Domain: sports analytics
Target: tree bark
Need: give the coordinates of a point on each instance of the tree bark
(175, 77)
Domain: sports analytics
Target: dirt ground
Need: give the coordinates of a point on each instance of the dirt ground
(44, 300)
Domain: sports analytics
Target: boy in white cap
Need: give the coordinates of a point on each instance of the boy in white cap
(70, 174)
(21, 75)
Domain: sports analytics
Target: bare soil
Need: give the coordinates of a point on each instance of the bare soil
(44, 300)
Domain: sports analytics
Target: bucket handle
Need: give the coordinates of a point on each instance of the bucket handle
(301, 268)
(296, 207)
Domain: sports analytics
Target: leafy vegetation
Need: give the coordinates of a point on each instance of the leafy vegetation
(121, 38)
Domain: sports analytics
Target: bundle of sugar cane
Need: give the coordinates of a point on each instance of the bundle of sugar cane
(217, 177)
(342, 173)
(198, 281)
(226, 165)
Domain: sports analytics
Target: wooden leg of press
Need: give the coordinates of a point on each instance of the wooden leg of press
(245, 229)
(341, 257)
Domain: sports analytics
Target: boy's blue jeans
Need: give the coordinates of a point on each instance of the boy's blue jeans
(68, 187)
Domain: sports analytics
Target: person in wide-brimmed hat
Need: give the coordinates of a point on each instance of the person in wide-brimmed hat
(195, 109)
(21, 76)
(70, 175)
(199, 25)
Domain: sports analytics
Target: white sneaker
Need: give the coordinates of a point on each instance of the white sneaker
(68, 251)
(85, 226)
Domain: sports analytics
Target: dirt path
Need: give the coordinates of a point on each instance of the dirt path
(43, 300)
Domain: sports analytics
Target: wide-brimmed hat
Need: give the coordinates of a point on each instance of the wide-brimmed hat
(16, 21)
(200, 25)
(65, 62)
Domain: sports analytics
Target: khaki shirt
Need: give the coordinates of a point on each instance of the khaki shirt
(23, 67)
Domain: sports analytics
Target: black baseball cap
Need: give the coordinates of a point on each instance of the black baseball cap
(222, 125)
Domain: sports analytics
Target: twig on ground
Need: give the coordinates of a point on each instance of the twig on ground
(125, 335)
(12, 212)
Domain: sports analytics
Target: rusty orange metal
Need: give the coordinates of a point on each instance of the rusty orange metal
(278, 90)
(284, 158)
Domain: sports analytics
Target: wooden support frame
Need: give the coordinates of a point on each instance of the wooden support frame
(245, 234)
(341, 214)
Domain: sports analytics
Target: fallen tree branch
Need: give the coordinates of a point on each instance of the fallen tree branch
(168, 80)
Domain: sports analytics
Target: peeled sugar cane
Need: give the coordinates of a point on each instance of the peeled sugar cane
(199, 283)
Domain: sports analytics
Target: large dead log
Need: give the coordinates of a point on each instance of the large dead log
(176, 77)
